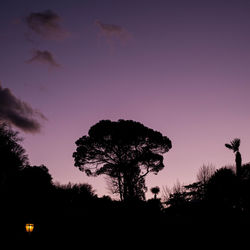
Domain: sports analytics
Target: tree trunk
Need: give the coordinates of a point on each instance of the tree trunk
(238, 162)
(120, 187)
(129, 189)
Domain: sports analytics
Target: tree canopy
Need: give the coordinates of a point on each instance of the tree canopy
(124, 150)
(12, 154)
(234, 145)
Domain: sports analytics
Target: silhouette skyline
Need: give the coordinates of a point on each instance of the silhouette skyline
(36, 210)
(179, 67)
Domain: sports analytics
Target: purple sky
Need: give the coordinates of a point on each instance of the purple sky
(179, 67)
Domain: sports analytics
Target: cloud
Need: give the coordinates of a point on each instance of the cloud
(112, 31)
(46, 24)
(18, 112)
(44, 57)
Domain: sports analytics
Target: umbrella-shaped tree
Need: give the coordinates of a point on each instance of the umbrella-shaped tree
(125, 150)
(155, 191)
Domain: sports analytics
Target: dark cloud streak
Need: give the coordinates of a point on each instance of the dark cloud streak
(112, 31)
(44, 57)
(18, 112)
(46, 24)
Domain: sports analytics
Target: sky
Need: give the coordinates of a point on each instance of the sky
(179, 67)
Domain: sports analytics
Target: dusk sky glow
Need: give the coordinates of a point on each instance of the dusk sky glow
(180, 67)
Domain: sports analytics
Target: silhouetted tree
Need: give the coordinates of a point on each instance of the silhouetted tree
(205, 173)
(75, 193)
(155, 191)
(125, 150)
(175, 197)
(12, 155)
(246, 171)
(234, 145)
(197, 191)
(34, 186)
(223, 189)
(36, 177)
(139, 187)
(244, 186)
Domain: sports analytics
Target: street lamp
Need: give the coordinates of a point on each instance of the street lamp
(29, 227)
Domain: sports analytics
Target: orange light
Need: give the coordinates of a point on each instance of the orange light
(29, 227)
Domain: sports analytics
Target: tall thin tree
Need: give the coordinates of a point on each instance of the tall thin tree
(234, 145)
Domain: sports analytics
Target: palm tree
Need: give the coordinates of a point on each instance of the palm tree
(234, 145)
(155, 191)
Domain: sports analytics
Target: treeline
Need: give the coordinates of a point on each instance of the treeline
(218, 196)
(63, 212)
(72, 211)
(29, 195)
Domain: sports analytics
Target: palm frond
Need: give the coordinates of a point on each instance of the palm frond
(228, 146)
(235, 144)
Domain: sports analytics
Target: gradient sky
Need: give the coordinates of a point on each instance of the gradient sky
(180, 67)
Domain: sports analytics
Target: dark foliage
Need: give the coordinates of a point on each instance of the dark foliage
(218, 202)
(223, 188)
(155, 191)
(235, 145)
(12, 155)
(126, 151)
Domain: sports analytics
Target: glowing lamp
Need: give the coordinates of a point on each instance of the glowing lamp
(29, 227)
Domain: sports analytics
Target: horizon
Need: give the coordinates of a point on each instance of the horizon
(179, 68)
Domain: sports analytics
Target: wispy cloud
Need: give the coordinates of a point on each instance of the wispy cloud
(113, 32)
(18, 112)
(44, 57)
(46, 24)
